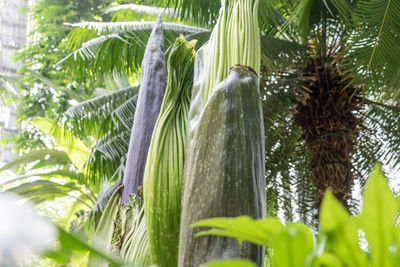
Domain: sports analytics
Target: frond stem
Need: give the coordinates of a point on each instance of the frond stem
(379, 34)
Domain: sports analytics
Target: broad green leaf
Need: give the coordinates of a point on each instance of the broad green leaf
(292, 246)
(70, 242)
(76, 150)
(398, 203)
(342, 232)
(243, 228)
(397, 236)
(327, 260)
(103, 235)
(377, 217)
(230, 263)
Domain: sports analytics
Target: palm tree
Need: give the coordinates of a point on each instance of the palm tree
(329, 84)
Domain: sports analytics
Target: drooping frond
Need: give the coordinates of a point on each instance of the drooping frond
(42, 190)
(280, 54)
(106, 54)
(290, 192)
(61, 173)
(125, 112)
(151, 10)
(375, 45)
(201, 12)
(101, 203)
(309, 14)
(137, 26)
(108, 155)
(121, 48)
(38, 159)
(380, 141)
(86, 118)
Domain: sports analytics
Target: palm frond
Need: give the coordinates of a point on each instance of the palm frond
(137, 26)
(343, 7)
(125, 112)
(120, 52)
(375, 45)
(200, 12)
(305, 190)
(39, 158)
(290, 191)
(97, 210)
(41, 190)
(144, 9)
(308, 14)
(61, 173)
(280, 54)
(380, 141)
(120, 49)
(87, 117)
(108, 155)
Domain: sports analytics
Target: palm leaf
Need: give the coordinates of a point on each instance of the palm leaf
(137, 26)
(125, 112)
(151, 10)
(87, 117)
(380, 141)
(309, 14)
(121, 48)
(200, 12)
(43, 157)
(376, 46)
(48, 190)
(62, 173)
(280, 54)
(108, 155)
(97, 210)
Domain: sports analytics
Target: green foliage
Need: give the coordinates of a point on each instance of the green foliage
(44, 156)
(104, 231)
(70, 243)
(230, 262)
(119, 48)
(76, 150)
(43, 51)
(376, 42)
(94, 116)
(338, 242)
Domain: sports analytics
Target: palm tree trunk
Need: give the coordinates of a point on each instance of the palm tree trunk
(328, 117)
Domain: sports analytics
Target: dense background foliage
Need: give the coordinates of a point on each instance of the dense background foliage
(81, 52)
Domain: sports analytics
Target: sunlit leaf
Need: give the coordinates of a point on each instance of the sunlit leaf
(243, 228)
(229, 263)
(292, 246)
(76, 150)
(377, 217)
(342, 232)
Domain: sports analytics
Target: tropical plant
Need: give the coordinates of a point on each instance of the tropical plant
(322, 108)
(320, 104)
(339, 242)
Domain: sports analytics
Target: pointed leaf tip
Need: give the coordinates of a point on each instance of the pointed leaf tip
(378, 215)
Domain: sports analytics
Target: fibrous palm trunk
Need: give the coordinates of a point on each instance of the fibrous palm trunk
(328, 116)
